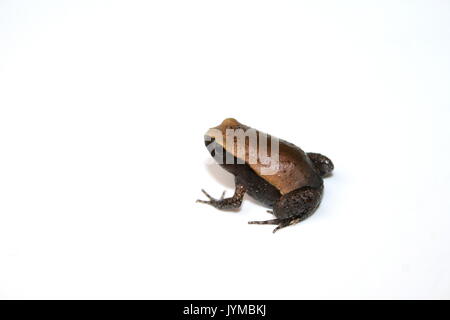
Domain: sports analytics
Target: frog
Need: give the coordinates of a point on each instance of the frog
(293, 190)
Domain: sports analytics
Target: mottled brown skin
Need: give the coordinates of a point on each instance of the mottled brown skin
(294, 193)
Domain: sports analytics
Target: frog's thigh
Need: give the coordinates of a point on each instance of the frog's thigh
(299, 203)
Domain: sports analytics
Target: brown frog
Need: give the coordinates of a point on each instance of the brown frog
(293, 189)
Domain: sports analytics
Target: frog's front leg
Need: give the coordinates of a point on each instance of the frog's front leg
(294, 207)
(233, 202)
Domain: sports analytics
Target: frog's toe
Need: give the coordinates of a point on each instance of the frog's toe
(287, 222)
(206, 194)
(211, 198)
(281, 223)
(273, 221)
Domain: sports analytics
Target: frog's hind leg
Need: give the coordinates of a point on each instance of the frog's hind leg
(282, 223)
(223, 203)
(294, 207)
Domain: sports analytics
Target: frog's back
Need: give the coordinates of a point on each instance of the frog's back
(295, 169)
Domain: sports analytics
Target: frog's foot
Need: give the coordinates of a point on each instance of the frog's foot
(223, 203)
(288, 222)
(294, 207)
(282, 223)
(273, 221)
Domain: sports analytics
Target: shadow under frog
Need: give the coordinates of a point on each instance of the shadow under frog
(293, 193)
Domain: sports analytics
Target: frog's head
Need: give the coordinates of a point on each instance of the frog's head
(324, 165)
(215, 138)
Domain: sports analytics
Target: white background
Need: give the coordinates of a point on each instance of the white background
(103, 106)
